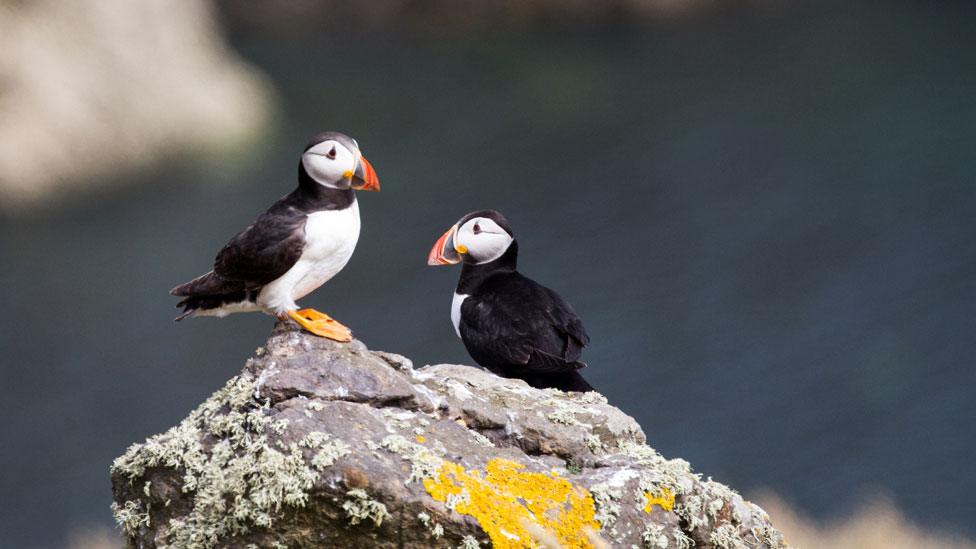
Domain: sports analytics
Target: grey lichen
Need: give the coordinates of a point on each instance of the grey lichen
(469, 542)
(726, 536)
(653, 537)
(453, 500)
(767, 535)
(563, 415)
(673, 474)
(314, 439)
(311, 407)
(722, 496)
(594, 443)
(329, 454)
(481, 439)
(329, 450)
(691, 510)
(574, 466)
(606, 503)
(682, 541)
(130, 516)
(240, 483)
(423, 462)
(436, 530)
(359, 507)
(562, 411)
(714, 507)
(397, 420)
(592, 397)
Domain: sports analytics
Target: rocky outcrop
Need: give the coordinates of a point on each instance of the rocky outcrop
(323, 444)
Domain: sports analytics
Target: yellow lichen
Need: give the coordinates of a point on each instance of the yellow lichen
(504, 497)
(664, 500)
(420, 439)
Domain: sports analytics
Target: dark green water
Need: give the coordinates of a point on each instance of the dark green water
(766, 221)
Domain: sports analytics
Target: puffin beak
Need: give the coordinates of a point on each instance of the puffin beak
(364, 178)
(444, 252)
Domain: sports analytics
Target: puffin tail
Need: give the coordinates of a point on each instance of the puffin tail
(188, 310)
(210, 283)
(570, 382)
(209, 291)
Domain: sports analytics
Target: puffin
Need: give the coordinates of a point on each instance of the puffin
(301, 241)
(509, 323)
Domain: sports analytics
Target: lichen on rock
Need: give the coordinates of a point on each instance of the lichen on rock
(505, 496)
(359, 507)
(317, 443)
(237, 479)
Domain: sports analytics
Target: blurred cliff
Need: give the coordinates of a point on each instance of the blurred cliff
(450, 16)
(878, 524)
(97, 88)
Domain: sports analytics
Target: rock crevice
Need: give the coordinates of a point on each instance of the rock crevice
(318, 444)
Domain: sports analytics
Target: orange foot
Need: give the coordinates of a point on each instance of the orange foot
(321, 324)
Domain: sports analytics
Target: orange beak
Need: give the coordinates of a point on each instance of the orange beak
(444, 251)
(364, 178)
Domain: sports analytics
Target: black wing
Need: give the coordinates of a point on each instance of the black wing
(512, 322)
(263, 251)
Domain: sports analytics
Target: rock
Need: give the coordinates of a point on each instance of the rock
(323, 444)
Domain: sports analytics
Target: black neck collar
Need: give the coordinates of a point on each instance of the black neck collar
(473, 274)
(312, 197)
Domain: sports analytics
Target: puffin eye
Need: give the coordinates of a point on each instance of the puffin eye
(477, 229)
(332, 153)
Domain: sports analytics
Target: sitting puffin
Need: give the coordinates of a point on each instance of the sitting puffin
(300, 243)
(509, 323)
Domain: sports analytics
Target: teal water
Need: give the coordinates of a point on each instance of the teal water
(765, 219)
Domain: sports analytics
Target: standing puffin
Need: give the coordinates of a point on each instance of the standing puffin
(294, 247)
(509, 323)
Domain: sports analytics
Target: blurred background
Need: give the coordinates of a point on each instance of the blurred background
(764, 212)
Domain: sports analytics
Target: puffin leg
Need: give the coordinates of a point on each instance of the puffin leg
(321, 324)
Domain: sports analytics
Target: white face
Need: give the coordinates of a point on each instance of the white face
(483, 240)
(331, 164)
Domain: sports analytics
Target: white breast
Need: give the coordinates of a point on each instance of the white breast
(456, 311)
(330, 239)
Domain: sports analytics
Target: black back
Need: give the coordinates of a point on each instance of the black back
(518, 328)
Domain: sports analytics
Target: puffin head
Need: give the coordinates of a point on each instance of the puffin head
(479, 237)
(333, 160)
